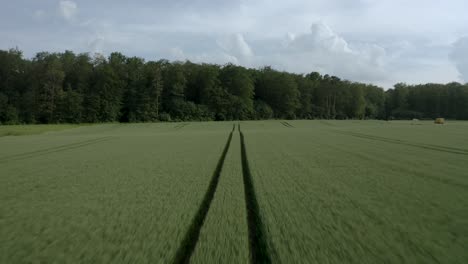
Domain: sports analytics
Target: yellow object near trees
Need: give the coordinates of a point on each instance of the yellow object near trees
(440, 121)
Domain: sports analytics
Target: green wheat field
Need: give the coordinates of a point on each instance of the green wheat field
(235, 192)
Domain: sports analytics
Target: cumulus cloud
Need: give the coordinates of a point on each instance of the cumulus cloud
(236, 46)
(379, 41)
(68, 9)
(321, 38)
(321, 49)
(215, 56)
(459, 56)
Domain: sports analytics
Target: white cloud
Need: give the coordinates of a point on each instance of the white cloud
(236, 47)
(459, 56)
(321, 49)
(68, 9)
(217, 57)
(322, 38)
(380, 41)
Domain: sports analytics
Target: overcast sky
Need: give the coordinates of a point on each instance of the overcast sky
(376, 41)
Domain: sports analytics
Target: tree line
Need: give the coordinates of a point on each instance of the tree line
(79, 88)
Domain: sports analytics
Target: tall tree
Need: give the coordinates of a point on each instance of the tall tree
(70, 107)
(174, 86)
(149, 103)
(306, 90)
(110, 89)
(134, 81)
(237, 82)
(358, 103)
(49, 81)
(12, 85)
(73, 88)
(279, 91)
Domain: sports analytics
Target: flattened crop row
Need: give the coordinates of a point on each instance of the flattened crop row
(286, 124)
(41, 152)
(257, 237)
(189, 242)
(180, 126)
(257, 241)
(452, 150)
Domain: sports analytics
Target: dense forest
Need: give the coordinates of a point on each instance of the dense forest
(77, 88)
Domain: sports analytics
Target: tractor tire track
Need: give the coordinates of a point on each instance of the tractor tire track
(451, 150)
(425, 176)
(286, 124)
(419, 174)
(258, 245)
(180, 126)
(189, 242)
(65, 147)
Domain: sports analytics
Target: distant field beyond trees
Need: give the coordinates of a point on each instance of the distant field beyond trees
(77, 88)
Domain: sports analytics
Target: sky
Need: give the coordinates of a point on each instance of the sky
(374, 41)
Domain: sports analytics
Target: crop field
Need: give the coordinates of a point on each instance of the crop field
(235, 192)
(19, 130)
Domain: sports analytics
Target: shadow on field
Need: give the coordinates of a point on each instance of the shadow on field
(186, 248)
(257, 238)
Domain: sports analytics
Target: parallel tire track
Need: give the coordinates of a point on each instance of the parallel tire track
(180, 126)
(257, 237)
(189, 242)
(65, 147)
(452, 150)
(414, 173)
(286, 124)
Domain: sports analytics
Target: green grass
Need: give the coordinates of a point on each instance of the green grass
(224, 236)
(329, 196)
(127, 196)
(21, 130)
(327, 192)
